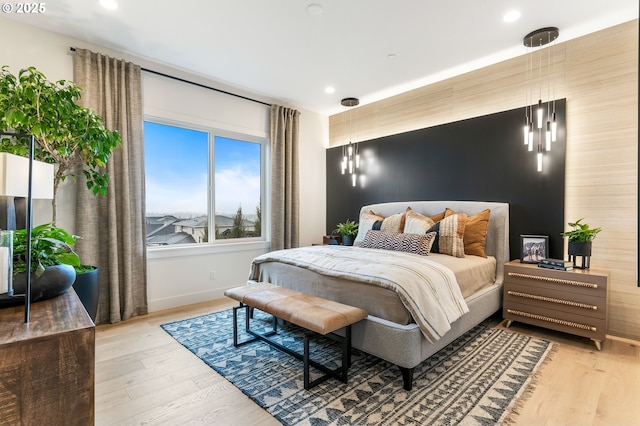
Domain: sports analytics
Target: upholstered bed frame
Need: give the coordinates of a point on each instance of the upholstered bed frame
(404, 344)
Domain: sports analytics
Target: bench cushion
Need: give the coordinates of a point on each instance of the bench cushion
(313, 313)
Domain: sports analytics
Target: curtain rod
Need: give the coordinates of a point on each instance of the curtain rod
(73, 49)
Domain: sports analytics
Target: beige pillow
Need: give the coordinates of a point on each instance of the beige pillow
(415, 223)
(450, 234)
(366, 223)
(393, 223)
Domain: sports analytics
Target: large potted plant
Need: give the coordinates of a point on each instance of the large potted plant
(67, 135)
(580, 238)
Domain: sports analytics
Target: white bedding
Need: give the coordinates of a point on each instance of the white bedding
(427, 289)
(472, 272)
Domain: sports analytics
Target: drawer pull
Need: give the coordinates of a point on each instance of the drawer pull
(553, 300)
(553, 320)
(553, 280)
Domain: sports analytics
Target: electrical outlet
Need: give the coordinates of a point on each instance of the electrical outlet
(212, 275)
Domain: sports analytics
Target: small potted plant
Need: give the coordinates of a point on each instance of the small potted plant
(580, 237)
(348, 230)
(53, 261)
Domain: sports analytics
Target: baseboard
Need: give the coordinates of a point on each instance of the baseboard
(185, 299)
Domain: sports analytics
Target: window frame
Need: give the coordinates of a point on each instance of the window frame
(227, 244)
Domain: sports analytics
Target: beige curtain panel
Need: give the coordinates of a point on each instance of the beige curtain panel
(285, 198)
(113, 227)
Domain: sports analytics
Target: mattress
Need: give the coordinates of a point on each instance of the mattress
(473, 273)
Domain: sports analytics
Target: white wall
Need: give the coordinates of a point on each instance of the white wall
(195, 273)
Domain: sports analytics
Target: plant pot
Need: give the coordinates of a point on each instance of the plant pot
(54, 281)
(580, 249)
(347, 240)
(88, 290)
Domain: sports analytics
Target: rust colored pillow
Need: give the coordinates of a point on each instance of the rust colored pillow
(438, 217)
(475, 233)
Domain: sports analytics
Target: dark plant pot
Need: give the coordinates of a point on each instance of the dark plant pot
(580, 249)
(86, 286)
(54, 281)
(347, 240)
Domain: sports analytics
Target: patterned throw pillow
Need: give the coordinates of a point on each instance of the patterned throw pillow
(411, 243)
(450, 235)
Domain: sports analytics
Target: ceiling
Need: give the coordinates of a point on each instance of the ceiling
(369, 49)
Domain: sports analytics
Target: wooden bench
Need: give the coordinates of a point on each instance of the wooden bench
(312, 313)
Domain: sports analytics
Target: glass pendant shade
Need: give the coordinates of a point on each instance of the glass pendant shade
(547, 137)
(540, 112)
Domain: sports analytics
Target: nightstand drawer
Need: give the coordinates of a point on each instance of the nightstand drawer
(580, 325)
(552, 298)
(564, 281)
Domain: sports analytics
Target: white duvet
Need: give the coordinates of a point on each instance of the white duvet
(427, 289)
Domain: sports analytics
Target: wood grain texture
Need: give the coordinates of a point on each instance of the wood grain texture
(143, 376)
(47, 365)
(598, 75)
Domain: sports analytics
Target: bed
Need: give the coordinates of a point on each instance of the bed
(396, 330)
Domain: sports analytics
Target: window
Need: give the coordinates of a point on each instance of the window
(181, 163)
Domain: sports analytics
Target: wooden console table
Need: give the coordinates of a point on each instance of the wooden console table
(47, 365)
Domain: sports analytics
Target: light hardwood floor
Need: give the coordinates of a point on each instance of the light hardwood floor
(144, 377)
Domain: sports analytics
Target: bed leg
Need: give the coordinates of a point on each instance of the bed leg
(407, 377)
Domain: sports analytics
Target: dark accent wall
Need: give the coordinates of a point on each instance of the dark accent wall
(479, 159)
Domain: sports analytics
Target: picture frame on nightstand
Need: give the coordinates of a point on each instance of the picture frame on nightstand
(533, 248)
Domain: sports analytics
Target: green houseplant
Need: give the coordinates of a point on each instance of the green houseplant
(67, 135)
(580, 238)
(348, 230)
(53, 261)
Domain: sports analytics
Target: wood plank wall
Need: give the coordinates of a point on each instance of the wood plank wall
(598, 75)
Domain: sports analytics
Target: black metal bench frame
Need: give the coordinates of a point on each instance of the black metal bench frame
(339, 373)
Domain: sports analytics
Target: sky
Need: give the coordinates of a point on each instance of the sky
(176, 162)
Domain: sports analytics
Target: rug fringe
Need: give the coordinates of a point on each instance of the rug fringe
(513, 410)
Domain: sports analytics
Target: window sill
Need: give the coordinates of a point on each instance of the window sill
(202, 249)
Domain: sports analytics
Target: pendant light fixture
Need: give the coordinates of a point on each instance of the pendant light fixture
(540, 117)
(350, 154)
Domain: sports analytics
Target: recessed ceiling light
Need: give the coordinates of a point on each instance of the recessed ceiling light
(329, 90)
(314, 9)
(511, 16)
(109, 4)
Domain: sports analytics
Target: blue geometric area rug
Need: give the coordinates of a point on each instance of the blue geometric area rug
(476, 380)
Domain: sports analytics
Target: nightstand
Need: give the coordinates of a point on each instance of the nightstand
(570, 301)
